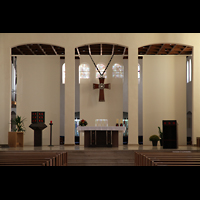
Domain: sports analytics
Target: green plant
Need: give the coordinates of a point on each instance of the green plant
(19, 122)
(161, 133)
(154, 138)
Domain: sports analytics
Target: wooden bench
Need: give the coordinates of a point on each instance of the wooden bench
(173, 158)
(33, 158)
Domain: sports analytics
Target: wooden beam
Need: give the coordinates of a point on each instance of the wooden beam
(54, 49)
(101, 49)
(124, 51)
(19, 50)
(89, 49)
(78, 52)
(160, 49)
(42, 49)
(148, 49)
(113, 49)
(30, 49)
(172, 49)
(183, 50)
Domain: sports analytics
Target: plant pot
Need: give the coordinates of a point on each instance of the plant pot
(154, 142)
(161, 142)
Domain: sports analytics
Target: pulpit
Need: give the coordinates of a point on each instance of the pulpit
(101, 136)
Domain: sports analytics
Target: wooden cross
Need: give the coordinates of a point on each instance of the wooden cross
(101, 86)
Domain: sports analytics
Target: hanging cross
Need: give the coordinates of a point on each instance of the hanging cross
(101, 86)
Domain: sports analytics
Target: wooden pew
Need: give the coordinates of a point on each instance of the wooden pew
(173, 158)
(33, 158)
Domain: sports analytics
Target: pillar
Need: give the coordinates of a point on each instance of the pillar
(195, 94)
(132, 96)
(69, 96)
(5, 91)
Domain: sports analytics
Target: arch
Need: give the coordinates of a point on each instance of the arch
(37, 49)
(165, 49)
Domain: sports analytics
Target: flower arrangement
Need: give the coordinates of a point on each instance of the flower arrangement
(83, 123)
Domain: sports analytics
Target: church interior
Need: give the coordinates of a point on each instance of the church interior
(150, 80)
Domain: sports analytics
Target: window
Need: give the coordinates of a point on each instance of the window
(101, 68)
(117, 71)
(84, 71)
(189, 70)
(138, 70)
(63, 73)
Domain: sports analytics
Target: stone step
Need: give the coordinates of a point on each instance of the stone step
(101, 164)
(101, 158)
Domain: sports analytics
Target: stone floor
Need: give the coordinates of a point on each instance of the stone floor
(78, 147)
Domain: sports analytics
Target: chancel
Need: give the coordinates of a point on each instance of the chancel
(141, 78)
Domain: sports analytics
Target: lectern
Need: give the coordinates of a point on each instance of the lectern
(38, 119)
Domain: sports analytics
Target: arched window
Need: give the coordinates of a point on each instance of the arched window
(117, 71)
(84, 71)
(138, 70)
(101, 68)
(63, 73)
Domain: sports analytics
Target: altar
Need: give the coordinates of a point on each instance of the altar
(101, 136)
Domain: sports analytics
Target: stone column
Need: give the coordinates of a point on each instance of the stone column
(5, 91)
(132, 96)
(195, 94)
(69, 96)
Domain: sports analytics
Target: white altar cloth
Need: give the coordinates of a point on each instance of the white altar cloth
(120, 129)
(104, 128)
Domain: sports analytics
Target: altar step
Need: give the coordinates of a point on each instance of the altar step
(101, 158)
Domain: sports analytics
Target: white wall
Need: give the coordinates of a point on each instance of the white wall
(164, 94)
(90, 107)
(39, 90)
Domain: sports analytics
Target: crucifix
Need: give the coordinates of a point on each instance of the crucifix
(101, 86)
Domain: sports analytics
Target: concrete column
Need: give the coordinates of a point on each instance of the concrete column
(195, 94)
(69, 96)
(133, 96)
(5, 91)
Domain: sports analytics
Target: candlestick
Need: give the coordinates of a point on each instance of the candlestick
(117, 122)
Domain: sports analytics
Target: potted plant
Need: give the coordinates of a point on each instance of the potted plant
(154, 139)
(83, 123)
(16, 139)
(161, 135)
(19, 123)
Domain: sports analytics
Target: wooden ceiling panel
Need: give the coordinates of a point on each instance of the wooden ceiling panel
(102, 49)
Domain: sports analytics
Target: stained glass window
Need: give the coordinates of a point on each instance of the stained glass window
(101, 68)
(84, 71)
(117, 71)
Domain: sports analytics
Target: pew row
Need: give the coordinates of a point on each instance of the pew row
(33, 158)
(173, 158)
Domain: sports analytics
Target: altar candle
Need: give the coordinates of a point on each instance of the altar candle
(121, 121)
(117, 121)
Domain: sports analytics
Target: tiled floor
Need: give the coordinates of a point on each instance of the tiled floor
(77, 147)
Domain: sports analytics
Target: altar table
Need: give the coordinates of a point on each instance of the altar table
(101, 136)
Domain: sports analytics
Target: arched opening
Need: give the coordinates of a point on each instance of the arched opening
(118, 71)
(40, 86)
(166, 76)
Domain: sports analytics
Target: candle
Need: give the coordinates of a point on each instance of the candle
(117, 121)
(51, 122)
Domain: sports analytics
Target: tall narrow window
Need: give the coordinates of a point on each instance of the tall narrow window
(101, 68)
(84, 71)
(63, 73)
(138, 70)
(189, 70)
(117, 71)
